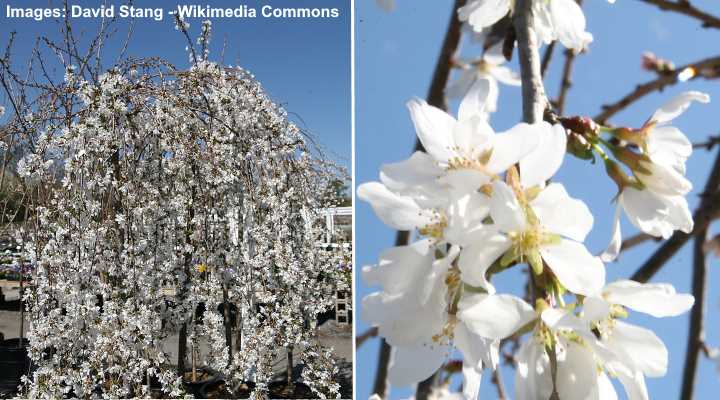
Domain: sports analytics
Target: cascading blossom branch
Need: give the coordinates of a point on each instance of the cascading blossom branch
(481, 204)
(178, 189)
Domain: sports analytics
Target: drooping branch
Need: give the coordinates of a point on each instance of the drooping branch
(684, 7)
(657, 84)
(435, 97)
(708, 210)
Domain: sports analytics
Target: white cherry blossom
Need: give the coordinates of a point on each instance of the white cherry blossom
(489, 67)
(623, 350)
(464, 153)
(657, 204)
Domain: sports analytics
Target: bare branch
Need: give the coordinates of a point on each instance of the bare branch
(363, 337)
(547, 57)
(656, 84)
(498, 381)
(533, 93)
(684, 7)
(696, 334)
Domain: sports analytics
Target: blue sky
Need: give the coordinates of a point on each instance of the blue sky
(304, 64)
(396, 53)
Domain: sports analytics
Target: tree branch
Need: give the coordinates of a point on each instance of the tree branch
(363, 337)
(705, 213)
(547, 57)
(435, 97)
(566, 82)
(684, 7)
(533, 93)
(498, 381)
(696, 334)
(656, 84)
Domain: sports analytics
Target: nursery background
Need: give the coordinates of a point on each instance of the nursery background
(396, 56)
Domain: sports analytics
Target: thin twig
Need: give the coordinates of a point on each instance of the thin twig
(498, 381)
(707, 211)
(656, 84)
(636, 240)
(708, 144)
(696, 334)
(363, 337)
(547, 57)
(684, 7)
(566, 81)
(435, 97)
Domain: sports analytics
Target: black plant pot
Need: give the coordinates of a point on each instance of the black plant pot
(14, 363)
(196, 387)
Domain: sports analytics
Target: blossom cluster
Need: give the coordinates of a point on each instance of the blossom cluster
(483, 202)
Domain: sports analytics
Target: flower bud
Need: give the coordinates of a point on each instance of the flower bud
(583, 126)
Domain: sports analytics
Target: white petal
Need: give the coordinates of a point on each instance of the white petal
(542, 163)
(559, 319)
(471, 382)
(595, 309)
(561, 214)
(604, 389)
(505, 75)
(466, 180)
(639, 347)
(576, 373)
(401, 267)
(512, 145)
(677, 106)
(578, 270)
(615, 246)
(664, 179)
(679, 215)
(495, 56)
(670, 144)
(478, 352)
(533, 379)
(647, 211)
(419, 169)
(465, 214)
(462, 84)
(400, 319)
(495, 316)
(569, 24)
(505, 209)
(399, 212)
(434, 128)
(475, 101)
(481, 14)
(472, 136)
(656, 299)
(475, 259)
(410, 365)
(634, 384)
